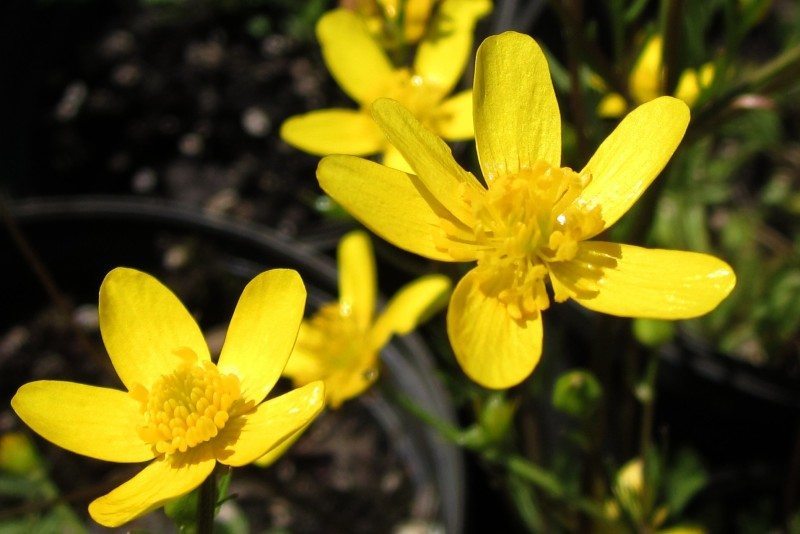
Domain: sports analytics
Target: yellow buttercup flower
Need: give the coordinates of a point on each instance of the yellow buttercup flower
(645, 81)
(365, 73)
(341, 343)
(534, 220)
(180, 410)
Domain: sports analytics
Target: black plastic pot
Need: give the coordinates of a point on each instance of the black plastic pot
(80, 239)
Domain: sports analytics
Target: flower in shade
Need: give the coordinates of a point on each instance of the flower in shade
(646, 81)
(364, 71)
(533, 220)
(179, 410)
(340, 344)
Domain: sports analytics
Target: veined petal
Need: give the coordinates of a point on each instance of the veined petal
(493, 349)
(393, 159)
(357, 277)
(145, 327)
(98, 422)
(517, 121)
(355, 59)
(633, 155)
(391, 203)
(271, 423)
(334, 131)
(632, 281)
(429, 156)
(263, 331)
(443, 54)
(164, 479)
(412, 304)
(452, 120)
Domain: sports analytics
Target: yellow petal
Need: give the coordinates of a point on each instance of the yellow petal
(304, 366)
(275, 454)
(612, 106)
(98, 422)
(255, 434)
(334, 131)
(263, 331)
(163, 480)
(345, 384)
(354, 58)
(645, 80)
(453, 118)
(429, 156)
(517, 121)
(394, 159)
(391, 203)
(145, 327)
(493, 349)
(692, 82)
(633, 155)
(443, 54)
(357, 277)
(632, 281)
(412, 304)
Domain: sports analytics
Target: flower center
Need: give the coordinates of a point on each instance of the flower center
(523, 222)
(411, 90)
(188, 406)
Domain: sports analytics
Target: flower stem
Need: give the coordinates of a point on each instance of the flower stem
(207, 504)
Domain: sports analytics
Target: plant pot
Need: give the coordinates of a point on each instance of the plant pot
(207, 260)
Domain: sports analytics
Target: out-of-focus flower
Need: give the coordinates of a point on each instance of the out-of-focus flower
(409, 20)
(645, 81)
(180, 410)
(534, 220)
(364, 71)
(341, 343)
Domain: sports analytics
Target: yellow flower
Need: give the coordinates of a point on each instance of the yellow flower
(180, 409)
(340, 344)
(365, 73)
(646, 80)
(534, 221)
(415, 15)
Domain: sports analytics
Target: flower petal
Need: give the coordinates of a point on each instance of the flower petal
(391, 203)
(263, 331)
(632, 281)
(428, 155)
(453, 118)
(98, 422)
(334, 131)
(357, 277)
(163, 480)
(271, 423)
(145, 327)
(646, 77)
(443, 54)
(493, 349)
(633, 155)
(517, 121)
(392, 158)
(413, 304)
(275, 454)
(354, 58)
(612, 106)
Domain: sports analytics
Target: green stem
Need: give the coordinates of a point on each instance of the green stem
(207, 504)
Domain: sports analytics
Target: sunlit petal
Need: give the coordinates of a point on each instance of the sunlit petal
(453, 118)
(394, 159)
(271, 423)
(353, 57)
(633, 155)
(263, 331)
(637, 282)
(493, 349)
(357, 277)
(517, 121)
(98, 422)
(145, 327)
(334, 131)
(391, 203)
(163, 480)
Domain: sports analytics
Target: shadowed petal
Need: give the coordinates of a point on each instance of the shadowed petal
(334, 131)
(517, 121)
(453, 118)
(632, 281)
(493, 349)
(263, 331)
(145, 327)
(633, 155)
(98, 422)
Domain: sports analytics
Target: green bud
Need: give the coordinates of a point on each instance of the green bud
(577, 393)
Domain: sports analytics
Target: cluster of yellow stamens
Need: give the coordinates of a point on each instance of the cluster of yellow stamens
(187, 407)
(523, 222)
